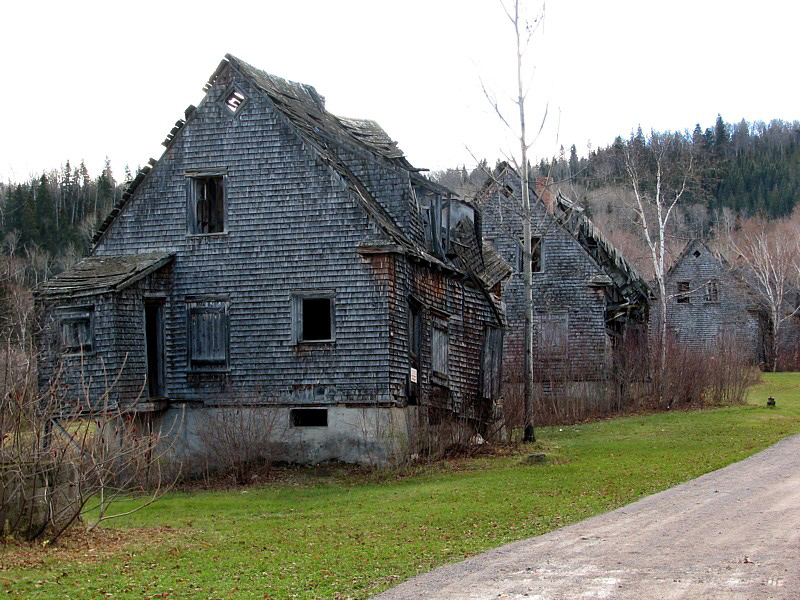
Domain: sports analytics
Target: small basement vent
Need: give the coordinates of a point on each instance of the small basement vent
(309, 417)
(234, 100)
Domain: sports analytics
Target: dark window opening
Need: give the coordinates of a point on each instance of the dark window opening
(696, 253)
(536, 255)
(414, 350)
(712, 291)
(317, 322)
(154, 340)
(77, 331)
(683, 292)
(234, 100)
(507, 191)
(309, 417)
(208, 334)
(207, 205)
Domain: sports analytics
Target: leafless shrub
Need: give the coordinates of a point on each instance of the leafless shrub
(715, 376)
(435, 433)
(240, 438)
(61, 459)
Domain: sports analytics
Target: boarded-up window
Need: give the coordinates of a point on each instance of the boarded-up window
(313, 315)
(491, 360)
(77, 330)
(440, 347)
(208, 334)
(712, 291)
(206, 210)
(553, 335)
(683, 292)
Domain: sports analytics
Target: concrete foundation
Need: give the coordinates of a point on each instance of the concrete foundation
(204, 437)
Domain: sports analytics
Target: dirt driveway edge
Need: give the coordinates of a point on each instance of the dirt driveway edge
(732, 533)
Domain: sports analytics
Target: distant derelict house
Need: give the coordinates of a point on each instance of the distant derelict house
(588, 300)
(280, 259)
(711, 301)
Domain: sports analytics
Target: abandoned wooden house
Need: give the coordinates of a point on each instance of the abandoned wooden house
(280, 260)
(710, 303)
(587, 298)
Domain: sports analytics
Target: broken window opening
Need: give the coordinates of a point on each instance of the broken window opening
(208, 334)
(314, 317)
(77, 330)
(683, 292)
(207, 204)
(154, 347)
(536, 255)
(414, 349)
(712, 291)
(234, 100)
(308, 417)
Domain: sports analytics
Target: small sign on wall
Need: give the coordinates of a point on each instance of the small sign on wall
(413, 375)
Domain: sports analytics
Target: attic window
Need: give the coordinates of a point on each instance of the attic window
(234, 100)
(206, 210)
(712, 291)
(536, 255)
(683, 292)
(696, 253)
(507, 191)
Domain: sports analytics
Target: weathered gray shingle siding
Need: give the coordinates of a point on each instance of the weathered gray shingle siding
(291, 225)
(698, 324)
(562, 288)
(115, 368)
(445, 295)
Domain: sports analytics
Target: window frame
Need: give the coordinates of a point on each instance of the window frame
(297, 300)
(537, 254)
(711, 295)
(193, 181)
(208, 305)
(230, 91)
(683, 292)
(440, 327)
(76, 315)
(548, 320)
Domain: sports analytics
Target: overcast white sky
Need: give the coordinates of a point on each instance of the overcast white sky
(83, 80)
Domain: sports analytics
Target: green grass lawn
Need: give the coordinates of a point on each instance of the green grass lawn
(335, 537)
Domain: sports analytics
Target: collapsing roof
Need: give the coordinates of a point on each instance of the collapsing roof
(305, 109)
(102, 274)
(572, 218)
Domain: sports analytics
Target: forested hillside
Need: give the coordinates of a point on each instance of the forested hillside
(733, 173)
(749, 168)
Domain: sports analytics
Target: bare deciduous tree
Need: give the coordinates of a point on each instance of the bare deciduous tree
(61, 459)
(525, 26)
(771, 257)
(659, 170)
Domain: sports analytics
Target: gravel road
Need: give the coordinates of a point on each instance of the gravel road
(733, 534)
